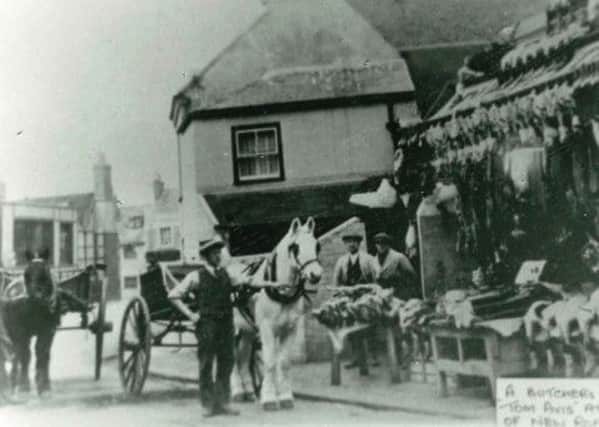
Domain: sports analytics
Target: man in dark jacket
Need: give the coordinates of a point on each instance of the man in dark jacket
(43, 316)
(394, 269)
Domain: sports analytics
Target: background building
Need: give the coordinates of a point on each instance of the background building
(78, 229)
(154, 227)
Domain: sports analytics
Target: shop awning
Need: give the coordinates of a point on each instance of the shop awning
(260, 219)
(491, 91)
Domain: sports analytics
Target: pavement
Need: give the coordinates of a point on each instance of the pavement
(77, 403)
(77, 400)
(173, 375)
(311, 382)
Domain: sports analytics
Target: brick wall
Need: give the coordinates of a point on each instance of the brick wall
(316, 343)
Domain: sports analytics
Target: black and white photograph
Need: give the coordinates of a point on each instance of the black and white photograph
(299, 213)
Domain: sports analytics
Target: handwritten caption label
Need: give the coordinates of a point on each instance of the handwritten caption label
(547, 402)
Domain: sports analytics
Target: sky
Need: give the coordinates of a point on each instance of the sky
(79, 77)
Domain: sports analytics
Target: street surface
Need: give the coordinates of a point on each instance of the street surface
(78, 400)
(83, 402)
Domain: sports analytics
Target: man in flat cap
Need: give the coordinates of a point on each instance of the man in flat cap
(355, 268)
(394, 269)
(211, 287)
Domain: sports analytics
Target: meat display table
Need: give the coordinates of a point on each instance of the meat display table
(338, 340)
(479, 352)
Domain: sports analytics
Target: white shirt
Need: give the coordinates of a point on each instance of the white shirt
(190, 282)
(353, 258)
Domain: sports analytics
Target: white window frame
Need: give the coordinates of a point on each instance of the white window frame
(243, 179)
(169, 231)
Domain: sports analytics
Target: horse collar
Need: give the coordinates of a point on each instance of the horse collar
(274, 294)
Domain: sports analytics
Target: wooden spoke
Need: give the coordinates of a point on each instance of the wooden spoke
(134, 351)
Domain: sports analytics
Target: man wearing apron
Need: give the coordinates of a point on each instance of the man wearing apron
(355, 268)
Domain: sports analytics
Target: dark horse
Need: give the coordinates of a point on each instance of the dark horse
(32, 314)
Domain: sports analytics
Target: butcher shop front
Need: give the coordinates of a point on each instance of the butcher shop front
(501, 192)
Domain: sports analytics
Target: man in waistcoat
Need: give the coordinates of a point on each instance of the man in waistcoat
(211, 287)
(355, 268)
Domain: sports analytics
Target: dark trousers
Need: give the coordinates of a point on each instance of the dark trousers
(363, 343)
(215, 337)
(32, 319)
(5, 353)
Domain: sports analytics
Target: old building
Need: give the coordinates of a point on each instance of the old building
(288, 121)
(77, 229)
(153, 227)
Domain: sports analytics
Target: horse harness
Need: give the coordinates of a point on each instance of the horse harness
(300, 290)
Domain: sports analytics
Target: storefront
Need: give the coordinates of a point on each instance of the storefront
(506, 180)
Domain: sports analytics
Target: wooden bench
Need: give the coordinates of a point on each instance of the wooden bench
(478, 352)
(338, 339)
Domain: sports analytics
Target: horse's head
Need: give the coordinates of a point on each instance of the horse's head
(299, 250)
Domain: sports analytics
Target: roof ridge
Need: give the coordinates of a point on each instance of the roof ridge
(357, 66)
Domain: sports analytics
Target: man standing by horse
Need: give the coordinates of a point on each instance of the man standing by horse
(212, 288)
(245, 332)
(355, 268)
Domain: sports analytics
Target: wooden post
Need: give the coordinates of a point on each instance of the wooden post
(337, 348)
(392, 353)
(336, 368)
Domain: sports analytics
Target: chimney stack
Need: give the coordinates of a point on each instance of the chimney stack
(105, 201)
(158, 185)
(103, 179)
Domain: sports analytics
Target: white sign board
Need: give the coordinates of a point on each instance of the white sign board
(547, 402)
(530, 272)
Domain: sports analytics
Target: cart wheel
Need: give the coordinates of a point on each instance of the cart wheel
(135, 344)
(256, 366)
(100, 320)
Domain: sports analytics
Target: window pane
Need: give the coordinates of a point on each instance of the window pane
(258, 154)
(165, 236)
(66, 244)
(130, 282)
(262, 165)
(273, 164)
(266, 141)
(32, 235)
(247, 167)
(246, 143)
(129, 252)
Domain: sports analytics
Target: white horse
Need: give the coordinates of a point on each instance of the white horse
(277, 312)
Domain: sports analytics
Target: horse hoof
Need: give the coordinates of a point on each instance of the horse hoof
(287, 404)
(270, 406)
(249, 397)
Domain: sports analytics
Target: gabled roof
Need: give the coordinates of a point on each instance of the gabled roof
(289, 34)
(323, 82)
(414, 23)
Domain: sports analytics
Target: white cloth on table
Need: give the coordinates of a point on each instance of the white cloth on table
(504, 327)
